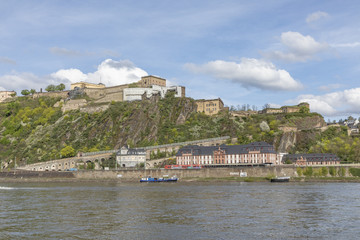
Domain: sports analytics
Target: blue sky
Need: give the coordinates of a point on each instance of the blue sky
(245, 52)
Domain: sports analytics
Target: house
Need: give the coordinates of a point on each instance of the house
(6, 94)
(130, 157)
(132, 94)
(209, 106)
(253, 153)
(148, 81)
(312, 159)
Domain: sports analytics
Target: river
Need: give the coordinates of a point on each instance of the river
(183, 210)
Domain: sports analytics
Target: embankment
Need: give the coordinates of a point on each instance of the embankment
(186, 174)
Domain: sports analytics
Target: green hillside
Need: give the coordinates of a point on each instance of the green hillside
(33, 130)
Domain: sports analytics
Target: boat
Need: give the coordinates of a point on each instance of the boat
(161, 179)
(280, 179)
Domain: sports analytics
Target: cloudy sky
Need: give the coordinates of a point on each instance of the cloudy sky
(245, 52)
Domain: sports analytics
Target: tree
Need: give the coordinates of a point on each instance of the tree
(50, 88)
(67, 151)
(60, 87)
(32, 91)
(304, 109)
(25, 92)
(266, 106)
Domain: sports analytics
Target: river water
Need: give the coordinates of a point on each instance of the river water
(180, 210)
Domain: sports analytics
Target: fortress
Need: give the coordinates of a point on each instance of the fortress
(81, 94)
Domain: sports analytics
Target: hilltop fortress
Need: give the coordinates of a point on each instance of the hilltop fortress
(90, 97)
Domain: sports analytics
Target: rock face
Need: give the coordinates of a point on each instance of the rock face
(304, 129)
(287, 141)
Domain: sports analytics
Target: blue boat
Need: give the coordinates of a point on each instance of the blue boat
(162, 179)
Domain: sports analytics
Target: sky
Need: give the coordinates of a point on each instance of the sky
(245, 52)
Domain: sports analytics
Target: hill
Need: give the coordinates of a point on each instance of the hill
(34, 130)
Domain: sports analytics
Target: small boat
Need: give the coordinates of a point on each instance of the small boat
(280, 179)
(162, 179)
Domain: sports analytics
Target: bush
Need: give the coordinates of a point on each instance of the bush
(332, 171)
(299, 171)
(355, 172)
(324, 171)
(308, 171)
(341, 172)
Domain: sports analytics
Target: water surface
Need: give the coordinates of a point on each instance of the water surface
(179, 210)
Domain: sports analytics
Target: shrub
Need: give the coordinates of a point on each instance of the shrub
(324, 171)
(332, 171)
(355, 172)
(341, 172)
(299, 171)
(308, 171)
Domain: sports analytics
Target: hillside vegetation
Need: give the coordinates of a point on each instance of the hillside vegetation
(33, 130)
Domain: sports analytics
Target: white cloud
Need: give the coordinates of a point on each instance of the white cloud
(18, 81)
(299, 48)
(346, 45)
(109, 72)
(249, 73)
(2, 89)
(72, 75)
(335, 103)
(316, 16)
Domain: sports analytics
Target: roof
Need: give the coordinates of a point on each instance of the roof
(312, 157)
(131, 151)
(196, 150)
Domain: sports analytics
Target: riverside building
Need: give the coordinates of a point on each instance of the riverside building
(253, 153)
(312, 159)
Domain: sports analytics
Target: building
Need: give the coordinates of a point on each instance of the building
(86, 85)
(6, 94)
(130, 157)
(132, 94)
(148, 81)
(253, 153)
(286, 109)
(312, 159)
(209, 107)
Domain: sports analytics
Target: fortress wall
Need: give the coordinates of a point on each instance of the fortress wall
(117, 96)
(62, 94)
(73, 104)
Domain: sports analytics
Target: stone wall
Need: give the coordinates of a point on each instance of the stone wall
(62, 94)
(135, 175)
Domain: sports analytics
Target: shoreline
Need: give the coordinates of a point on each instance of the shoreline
(186, 180)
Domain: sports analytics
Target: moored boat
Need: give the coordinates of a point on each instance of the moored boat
(161, 179)
(280, 179)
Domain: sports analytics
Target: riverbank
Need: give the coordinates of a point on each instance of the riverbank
(236, 174)
(43, 178)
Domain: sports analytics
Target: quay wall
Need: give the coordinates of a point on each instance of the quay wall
(201, 173)
(135, 175)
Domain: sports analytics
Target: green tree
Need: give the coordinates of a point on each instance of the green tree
(50, 88)
(60, 87)
(67, 151)
(332, 171)
(25, 92)
(324, 171)
(32, 91)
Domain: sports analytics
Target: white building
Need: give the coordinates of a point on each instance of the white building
(129, 157)
(132, 94)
